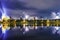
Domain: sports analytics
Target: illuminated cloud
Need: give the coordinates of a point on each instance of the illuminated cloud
(15, 8)
(55, 15)
(32, 7)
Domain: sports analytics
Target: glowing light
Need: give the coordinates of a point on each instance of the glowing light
(4, 15)
(3, 30)
(36, 18)
(26, 29)
(57, 28)
(57, 17)
(0, 26)
(36, 27)
(26, 16)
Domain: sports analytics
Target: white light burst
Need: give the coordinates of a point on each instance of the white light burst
(26, 16)
(57, 28)
(4, 14)
(55, 15)
(26, 29)
(4, 17)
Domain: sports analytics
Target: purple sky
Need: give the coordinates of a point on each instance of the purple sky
(31, 7)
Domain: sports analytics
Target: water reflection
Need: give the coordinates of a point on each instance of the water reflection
(40, 32)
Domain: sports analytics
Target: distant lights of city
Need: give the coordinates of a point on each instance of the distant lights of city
(54, 15)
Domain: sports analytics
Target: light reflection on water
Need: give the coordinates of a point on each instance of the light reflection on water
(32, 32)
(27, 29)
(53, 29)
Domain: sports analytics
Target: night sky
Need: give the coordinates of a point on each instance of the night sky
(18, 8)
(39, 8)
